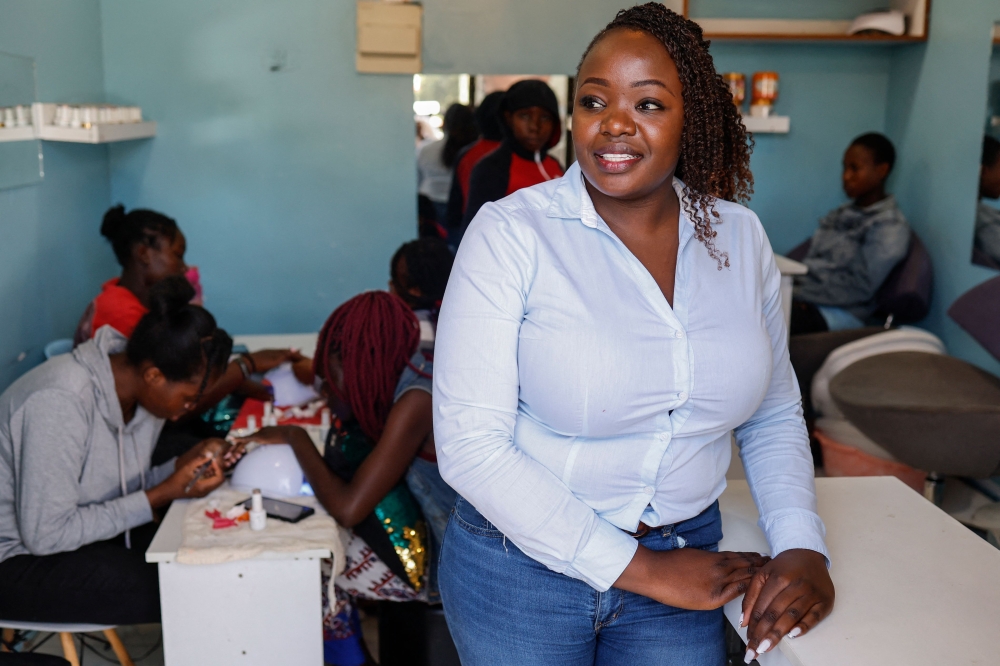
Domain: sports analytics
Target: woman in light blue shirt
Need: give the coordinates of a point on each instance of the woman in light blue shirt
(601, 336)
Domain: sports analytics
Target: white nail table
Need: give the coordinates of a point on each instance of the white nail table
(913, 585)
(262, 611)
(788, 268)
(304, 342)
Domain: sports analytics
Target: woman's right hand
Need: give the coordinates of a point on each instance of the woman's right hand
(270, 435)
(175, 485)
(690, 578)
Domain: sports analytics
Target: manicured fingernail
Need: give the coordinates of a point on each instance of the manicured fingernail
(741, 619)
(764, 646)
(750, 656)
(796, 631)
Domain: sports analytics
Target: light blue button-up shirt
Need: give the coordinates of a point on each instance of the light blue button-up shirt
(571, 401)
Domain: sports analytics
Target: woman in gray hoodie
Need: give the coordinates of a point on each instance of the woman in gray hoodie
(76, 437)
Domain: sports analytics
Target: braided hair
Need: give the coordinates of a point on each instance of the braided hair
(715, 148)
(427, 266)
(374, 334)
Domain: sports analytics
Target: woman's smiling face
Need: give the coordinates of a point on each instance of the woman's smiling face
(628, 115)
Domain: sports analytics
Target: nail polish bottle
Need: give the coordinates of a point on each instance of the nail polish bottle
(258, 517)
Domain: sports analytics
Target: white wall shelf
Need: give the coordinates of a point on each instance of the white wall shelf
(768, 125)
(43, 115)
(17, 134)
(917, 13)
(98, 133)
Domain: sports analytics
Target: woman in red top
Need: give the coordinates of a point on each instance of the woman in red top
(150, 247)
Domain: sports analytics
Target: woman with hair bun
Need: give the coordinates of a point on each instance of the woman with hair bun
(150, 248)
(601, 337)
(77, 489)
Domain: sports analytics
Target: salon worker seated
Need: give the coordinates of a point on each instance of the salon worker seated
(150, 247)
(77, 490)
(988, 217)
(855, 247)
(529, 118)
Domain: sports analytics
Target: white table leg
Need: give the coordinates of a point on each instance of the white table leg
(786, 299)
(258, 612)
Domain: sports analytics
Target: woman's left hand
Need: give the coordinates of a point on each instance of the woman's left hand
(212, 446)
(790, 595)
(270, 435)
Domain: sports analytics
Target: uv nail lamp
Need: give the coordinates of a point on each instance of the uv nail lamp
(271, 468)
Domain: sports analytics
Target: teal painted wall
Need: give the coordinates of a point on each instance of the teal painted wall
(52, 259)
(937, 97)
(293, 187)
(832, 92)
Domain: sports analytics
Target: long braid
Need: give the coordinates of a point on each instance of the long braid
(715, 147)
(374, 334)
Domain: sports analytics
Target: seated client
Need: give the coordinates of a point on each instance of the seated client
(378, 475)
(856, 245)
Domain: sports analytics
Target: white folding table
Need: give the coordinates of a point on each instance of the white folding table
(788, 268)
(913, 585)
(255, 612)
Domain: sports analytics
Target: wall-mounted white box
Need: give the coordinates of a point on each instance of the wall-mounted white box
(389, 38)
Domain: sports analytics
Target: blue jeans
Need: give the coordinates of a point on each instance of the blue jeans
(436, 498)
(505, 608)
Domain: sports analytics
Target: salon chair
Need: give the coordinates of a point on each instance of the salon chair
(931, 411)
(904, 297)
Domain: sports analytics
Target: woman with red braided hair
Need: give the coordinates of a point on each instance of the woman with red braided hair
(379, 384)
(601, 338)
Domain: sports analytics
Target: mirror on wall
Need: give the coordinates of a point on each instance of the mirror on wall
(20, 153)
(440, 211)
(986, 240)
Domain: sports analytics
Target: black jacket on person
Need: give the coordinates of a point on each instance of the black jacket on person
(510, 167)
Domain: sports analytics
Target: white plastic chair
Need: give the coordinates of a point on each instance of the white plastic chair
(66, 632)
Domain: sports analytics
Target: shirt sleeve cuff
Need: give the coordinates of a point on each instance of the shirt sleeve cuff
(136, 510)
(798, 529)
(604, 557)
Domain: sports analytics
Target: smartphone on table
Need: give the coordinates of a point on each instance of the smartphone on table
(287, 511)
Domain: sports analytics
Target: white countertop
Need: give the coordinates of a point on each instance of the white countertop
(788, 266)
(163, 549)
(914, 586)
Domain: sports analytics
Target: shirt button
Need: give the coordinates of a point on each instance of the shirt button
(648, 490)
(678, 334)
(682, 396)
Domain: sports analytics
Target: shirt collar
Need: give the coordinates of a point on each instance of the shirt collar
(572, 201)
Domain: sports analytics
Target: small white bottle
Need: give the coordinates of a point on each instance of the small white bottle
(258, 517)
(269, 418)
(252, 423)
